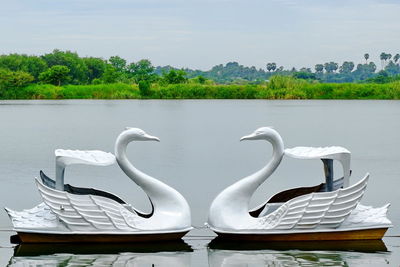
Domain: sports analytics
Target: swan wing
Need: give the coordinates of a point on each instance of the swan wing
(321, 209)
(39, 216)
(88, 212)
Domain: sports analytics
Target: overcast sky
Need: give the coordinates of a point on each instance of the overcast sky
(203, 33)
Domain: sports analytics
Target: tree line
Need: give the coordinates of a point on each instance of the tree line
(328, 72)
(66, 67)
(332, 72)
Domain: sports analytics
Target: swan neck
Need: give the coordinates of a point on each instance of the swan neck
(230, 209)
(272, 164)
(159, 193)
(127, 167)
(246, 187)
(170, 209)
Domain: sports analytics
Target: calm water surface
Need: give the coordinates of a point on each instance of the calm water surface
(199, 154)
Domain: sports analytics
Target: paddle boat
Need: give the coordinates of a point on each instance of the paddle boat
(74, 214)
(329, 211)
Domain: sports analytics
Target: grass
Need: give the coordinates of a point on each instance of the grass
(99, 91)
(278, 87)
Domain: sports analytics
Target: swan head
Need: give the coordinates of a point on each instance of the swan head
(136, 134)
(263, 133)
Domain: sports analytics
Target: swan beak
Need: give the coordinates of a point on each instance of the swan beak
(247, 137)
(152, 138)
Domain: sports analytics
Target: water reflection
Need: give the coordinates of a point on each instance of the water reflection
(146, 255)
(220, 253)
(355, 245)
(353, 253)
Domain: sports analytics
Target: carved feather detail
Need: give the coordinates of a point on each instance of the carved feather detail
(315, 210)
(88, 212)
(38, 217)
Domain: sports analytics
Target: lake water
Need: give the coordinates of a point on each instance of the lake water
(199, 155)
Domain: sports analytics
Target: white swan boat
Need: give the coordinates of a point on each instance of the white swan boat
(330, 211)
(73, 214)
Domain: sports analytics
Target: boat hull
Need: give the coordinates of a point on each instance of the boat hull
(31, 237)
(364, 234)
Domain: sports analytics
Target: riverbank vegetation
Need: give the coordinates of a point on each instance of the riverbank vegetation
(280, 87)
(65, 75)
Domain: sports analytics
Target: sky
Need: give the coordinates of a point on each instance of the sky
(199, 34)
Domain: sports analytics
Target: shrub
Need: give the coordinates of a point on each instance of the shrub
(12, 81)
(144, 88)
(175, 76)
(97, 81)
(285, 82)
(40, 91)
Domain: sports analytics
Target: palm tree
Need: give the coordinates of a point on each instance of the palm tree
(331, 67)
(366, 56)
(383, 56)
(273, 66)
(327, 67)
(346, 67)
(319, 68)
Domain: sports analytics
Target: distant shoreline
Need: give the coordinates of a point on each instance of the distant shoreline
(285, 90)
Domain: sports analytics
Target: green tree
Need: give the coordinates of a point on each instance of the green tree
(319, 68)
(384, 57)
(95, 66)
(347, 67)
(371, 67)
(271, 66)
(331, 67)
(143, 70)
(144, 88)
(305, 75)
(34, 65)
(56, 75)
(110, 75)
(201, 79)
(11, 62)
(30, 64)
(175, 76)
(118, 63)
(381, 77)
(10, 81)
(364, 71)
(392, 69)
(76, 65)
